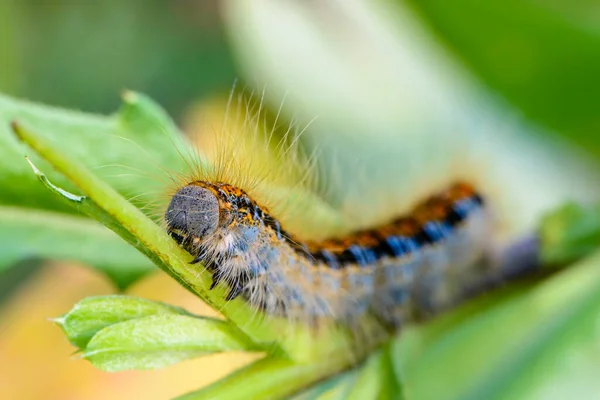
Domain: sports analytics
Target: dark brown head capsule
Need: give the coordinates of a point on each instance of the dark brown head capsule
(193, 212)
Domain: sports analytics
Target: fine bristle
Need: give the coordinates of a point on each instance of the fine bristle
(245, 145)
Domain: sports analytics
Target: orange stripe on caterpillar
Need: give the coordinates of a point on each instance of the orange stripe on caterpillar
(417, 264)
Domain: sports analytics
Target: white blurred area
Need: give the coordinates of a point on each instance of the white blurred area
(397, 117)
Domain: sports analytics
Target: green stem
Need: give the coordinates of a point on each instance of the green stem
(277, 335)
(131, 224)
(268, 378)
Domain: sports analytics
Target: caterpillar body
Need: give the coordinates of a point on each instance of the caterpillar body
(417, 264)
(251, 210)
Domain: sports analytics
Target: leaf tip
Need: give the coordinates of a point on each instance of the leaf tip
(78, 354)
(60, 321)
(129, 96)
(15, 126)
(42, 177)
(35, 169)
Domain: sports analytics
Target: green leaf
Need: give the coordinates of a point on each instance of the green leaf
(569, 233)
(375, 379)
(121, 276)
(92, 314)
(428, 118)
(541, 56)
(333, 388)
(269, 378)
(114, 146)
(160, 340)
(103, 203)
(46, 234)
(391, 386)
(108, 207)
(366, 381)
(110, 145)
(512, 345)
(370, 379)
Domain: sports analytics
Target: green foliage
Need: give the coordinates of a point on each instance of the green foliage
(373, 379)
(110, 146)
(93, 314)
(130, 150)
(541, 56)
(509, 345)
(272, 378)
(172, 50)
(51, 235)
(570, 233)
(118, 333)
(101, 202)
(160, 340)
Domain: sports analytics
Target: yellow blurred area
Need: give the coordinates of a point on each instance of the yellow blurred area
(246, 144)
(37, 362)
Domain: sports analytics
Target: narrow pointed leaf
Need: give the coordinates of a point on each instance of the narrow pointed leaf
(375, 379)
(104, 204)
(107, 206)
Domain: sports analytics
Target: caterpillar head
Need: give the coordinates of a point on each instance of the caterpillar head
(193, 212)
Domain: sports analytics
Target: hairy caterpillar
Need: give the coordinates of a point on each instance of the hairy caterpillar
(418, 262)
(415, 265)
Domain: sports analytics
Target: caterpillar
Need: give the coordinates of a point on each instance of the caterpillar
(420, 262)
(415, 265)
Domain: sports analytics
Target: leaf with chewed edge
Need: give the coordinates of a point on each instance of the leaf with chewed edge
(160, 340)
(92, 314)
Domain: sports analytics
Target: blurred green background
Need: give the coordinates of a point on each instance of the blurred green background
(541, 57)
(81, 55)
